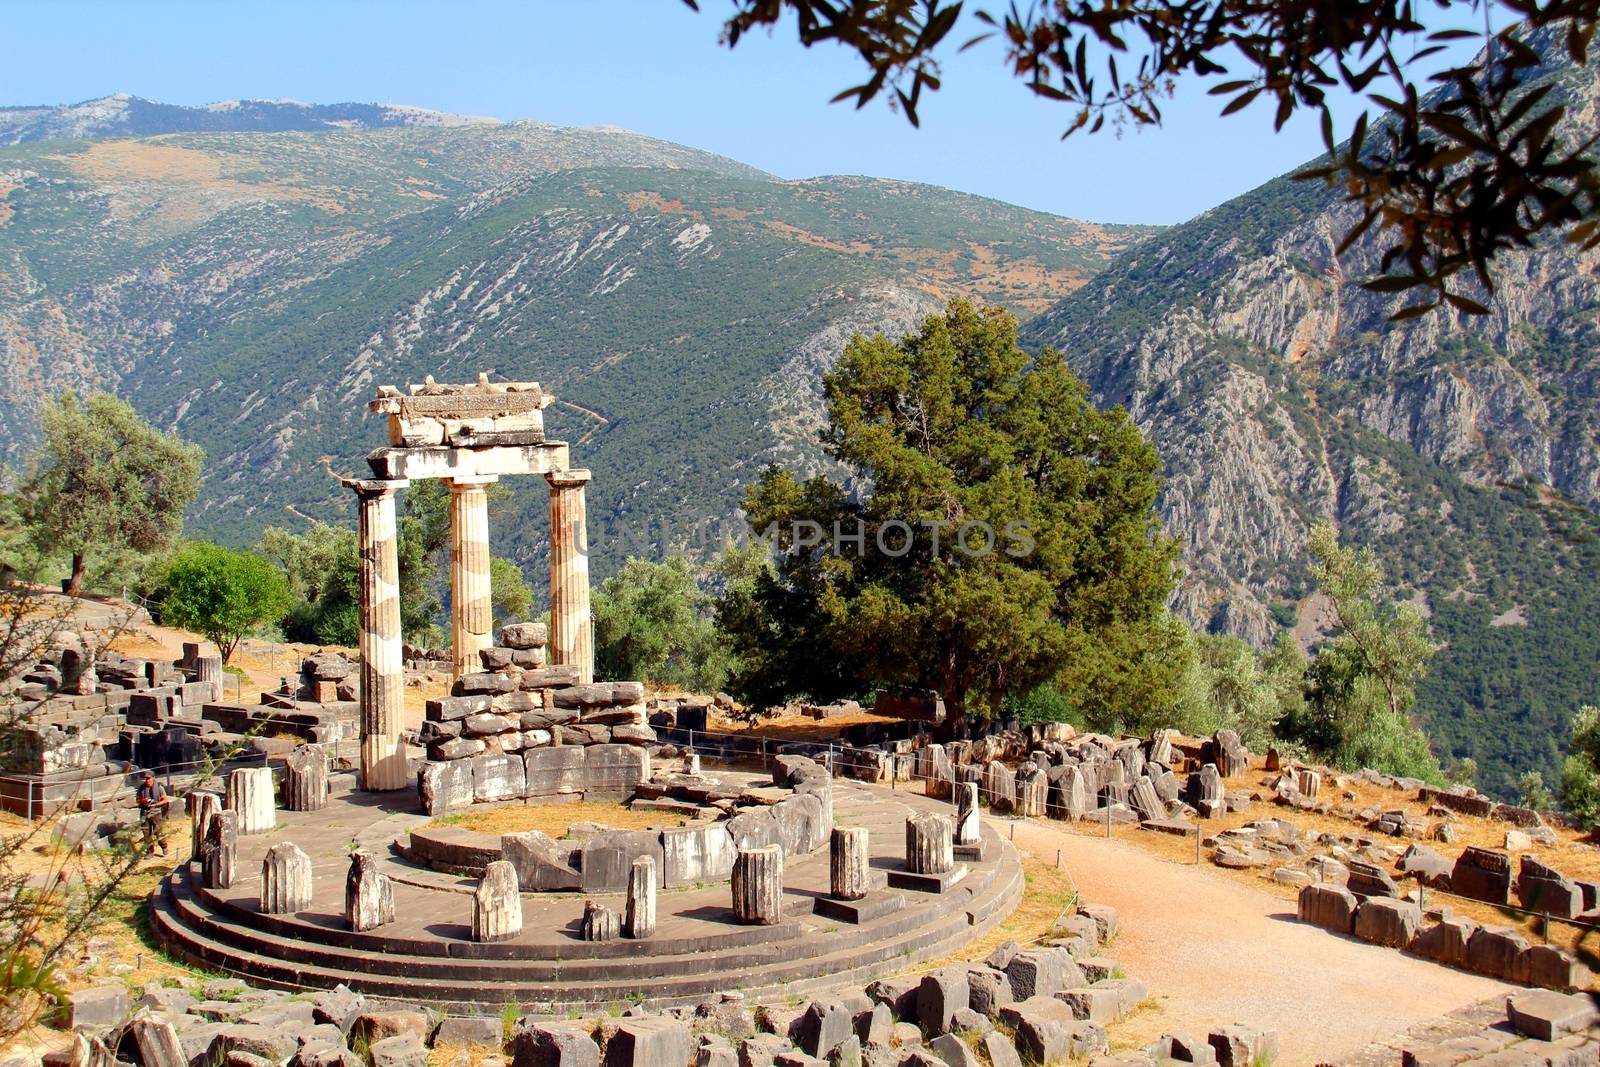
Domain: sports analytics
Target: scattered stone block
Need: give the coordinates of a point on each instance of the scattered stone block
(403, 1050)
(1554, 968)
(1545, 1015)
(1370, 880)
(1130, 992)
(1385, 921)
(824, 1025)
(1099, 1005)
(939, 996)
(899, 994)
(150, 1042)
(999, 1049)
(1542, 888)
(760, 1050)
(953, 1051)
(1482, 874)
(1445, 941)
(647, 1042)
(1183, 1048)
(551, 1045)
(1499, 952)
(599, 922)
(1243, 1046)
(469, 1030)
(97, 1008)
(374, 1026)
(988, 990)
(445, 786)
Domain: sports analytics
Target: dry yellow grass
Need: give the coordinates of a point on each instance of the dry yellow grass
(1047, 892)
(118, 947)
(555, 819)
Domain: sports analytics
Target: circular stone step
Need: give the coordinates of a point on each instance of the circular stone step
(698, 949)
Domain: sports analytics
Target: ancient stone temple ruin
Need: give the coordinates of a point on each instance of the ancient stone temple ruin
(470, 436)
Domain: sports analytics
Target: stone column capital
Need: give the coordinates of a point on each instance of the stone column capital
(463, 482)
(573, 479)
(374, 486)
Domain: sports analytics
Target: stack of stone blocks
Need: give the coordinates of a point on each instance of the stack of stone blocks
(522, 729)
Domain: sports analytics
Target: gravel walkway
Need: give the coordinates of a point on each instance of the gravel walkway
(1213, 951)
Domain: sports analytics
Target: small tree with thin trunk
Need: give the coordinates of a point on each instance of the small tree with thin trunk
(106, 479)
(223, 594)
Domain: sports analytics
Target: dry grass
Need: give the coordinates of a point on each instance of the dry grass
(465, 1056)
(1047, 892)
(119, 947)
(554, 819)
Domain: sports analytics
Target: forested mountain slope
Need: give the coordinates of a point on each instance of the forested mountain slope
(251, 289)
(1465, 449)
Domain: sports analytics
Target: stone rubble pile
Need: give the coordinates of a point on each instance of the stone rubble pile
(520, 728)
(1046, 1004)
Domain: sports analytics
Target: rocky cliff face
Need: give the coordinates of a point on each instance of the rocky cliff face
(1278, 393)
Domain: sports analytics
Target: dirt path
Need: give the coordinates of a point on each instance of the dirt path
(1214, 951)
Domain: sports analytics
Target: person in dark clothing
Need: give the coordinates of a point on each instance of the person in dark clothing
(153, 801)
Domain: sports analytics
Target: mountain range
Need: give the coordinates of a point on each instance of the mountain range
(249, 273)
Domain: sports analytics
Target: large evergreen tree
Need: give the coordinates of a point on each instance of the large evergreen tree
(1002, 531)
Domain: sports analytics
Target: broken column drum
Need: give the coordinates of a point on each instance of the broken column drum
(250, 798)
(640, 920)
(305, 779)
(599, 923)
(497, 904)
(929, 844)
(758, 885)
(285, 880)
(203, 806)
(848, 863)
(221, 850)
(368, 894)
(966, 813)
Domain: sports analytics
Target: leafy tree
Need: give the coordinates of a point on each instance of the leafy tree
(510, 596)
(1004, 534)
(1363, 682)
(1580, 774)
(105, 479)
(1449, 179)
(1465, 772)
(321, 567)
(1238, 690)
(223, 594)
(653, 622)
(1532, 792)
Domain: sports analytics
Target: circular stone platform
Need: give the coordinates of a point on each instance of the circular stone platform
(698, 948)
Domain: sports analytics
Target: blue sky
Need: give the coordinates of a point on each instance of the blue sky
(653, 66)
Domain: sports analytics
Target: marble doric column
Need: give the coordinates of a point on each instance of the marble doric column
(471, 615)
(571, 629)
(383, 679)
